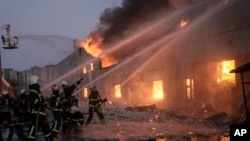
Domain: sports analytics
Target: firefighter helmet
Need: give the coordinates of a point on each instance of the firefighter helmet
(73, 109)
(65, 83)
(33, 79)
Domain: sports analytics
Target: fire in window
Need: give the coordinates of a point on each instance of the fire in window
(84, 71)
(85, 92)
(91, 66)
(223, 69)
(190, 88)
(158, 89)
(118, 91)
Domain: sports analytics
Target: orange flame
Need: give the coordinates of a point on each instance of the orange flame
(183, 22)
(94, 47)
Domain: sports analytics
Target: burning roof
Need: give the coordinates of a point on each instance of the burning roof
(128, 29)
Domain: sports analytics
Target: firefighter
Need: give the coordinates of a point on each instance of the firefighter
(95, 106)
(37, 113)
(68, 101)
(6, 113)
(77, 118)
(23, 112)
(57, 110)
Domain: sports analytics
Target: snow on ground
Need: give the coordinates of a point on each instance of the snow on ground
(163, 125)
(123, 124)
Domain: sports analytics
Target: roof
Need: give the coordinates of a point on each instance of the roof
(241, 69)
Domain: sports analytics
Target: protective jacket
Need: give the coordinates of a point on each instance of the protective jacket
(37, 102)
(56, 102)
(38, 118)
(94, 99)
(23, 103)
(67, 96)
(6, 104)
(6, 114)
(94, 107)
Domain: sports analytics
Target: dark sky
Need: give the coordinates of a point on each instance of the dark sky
(46, 28)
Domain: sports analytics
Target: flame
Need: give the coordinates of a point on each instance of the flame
(190, 88)
(183, 22)
(94, 47)
(224, 69)
(118, 91)
(108, 61)
(158, 89)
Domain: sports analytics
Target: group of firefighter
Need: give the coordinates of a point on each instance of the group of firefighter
(29, 109)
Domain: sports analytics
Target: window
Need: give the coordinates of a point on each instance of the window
(84, 71)
(223, 70)
(91, 66)
(118, 91)
(158, 89)
(190, 88)
(85, 92)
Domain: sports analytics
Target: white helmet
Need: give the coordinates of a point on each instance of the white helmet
(65, 83)
(33, 79)
(5, 92)
(22, 91)
(73, 109)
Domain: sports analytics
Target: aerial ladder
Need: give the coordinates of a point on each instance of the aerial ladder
(8, 42)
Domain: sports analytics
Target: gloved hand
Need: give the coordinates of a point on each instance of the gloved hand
(79, 81)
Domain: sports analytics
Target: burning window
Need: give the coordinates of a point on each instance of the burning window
(85, 92)
(118, 91)
(91, 66)
(158, 89)
(223, 69)
(190, 88)
(84, 71)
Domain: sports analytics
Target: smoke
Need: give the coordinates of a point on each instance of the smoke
(37, 50)
(54, 41)
(118, 23)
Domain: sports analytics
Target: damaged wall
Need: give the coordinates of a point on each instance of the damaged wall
(224, 36)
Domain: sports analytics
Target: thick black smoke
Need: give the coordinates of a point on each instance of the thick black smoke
(116, 22)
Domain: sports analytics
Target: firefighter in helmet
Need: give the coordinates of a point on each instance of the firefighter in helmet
(94, 105)
(38, 107)
(57, 110)
(69, 100)
(7, 113)
(23, 112)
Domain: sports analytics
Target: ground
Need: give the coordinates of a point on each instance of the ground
(148, 124)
